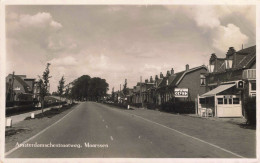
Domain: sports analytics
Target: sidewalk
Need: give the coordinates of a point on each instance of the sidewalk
(238, 120)
(18, 118)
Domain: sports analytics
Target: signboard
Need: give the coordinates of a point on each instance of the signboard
(181, 92)
(228, 96)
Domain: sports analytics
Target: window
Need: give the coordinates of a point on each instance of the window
(230, 100)
(202, 100)
(220, 100)
(202, 80)
(225, 100)
(211, 68)
(253, 86)
(235, 100)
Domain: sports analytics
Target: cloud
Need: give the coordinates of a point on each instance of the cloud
(34, 29)
(206, 16)
(223, 36)
(63, 62)
(228, 36)
(40, 20)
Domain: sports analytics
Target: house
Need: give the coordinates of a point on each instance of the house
(162, 88)
(19, 88)
(191, 80)
(140, 93)
(230, 81)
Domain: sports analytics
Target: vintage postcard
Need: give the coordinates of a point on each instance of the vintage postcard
(129, 82)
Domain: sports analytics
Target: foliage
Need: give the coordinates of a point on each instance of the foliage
(182, 107)
(87, 88)
(61, 86)
(113, 94)
(43, 84)
(125, 90)
(250, 109)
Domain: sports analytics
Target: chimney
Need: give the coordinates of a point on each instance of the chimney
(146, 80)
(161, 75)
(151, 79)
(168, 73)
(156, 77)
(172, 71)
(187, 67)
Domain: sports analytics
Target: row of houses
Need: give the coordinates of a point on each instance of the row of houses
(219, 88)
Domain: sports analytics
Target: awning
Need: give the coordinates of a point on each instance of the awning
(217, 90)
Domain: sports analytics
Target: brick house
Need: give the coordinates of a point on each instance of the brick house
(161, 89)
(19, 88)
(191, 79)
(224, 98)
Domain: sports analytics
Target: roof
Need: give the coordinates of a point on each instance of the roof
(218, 90)
(176, 78)
(248, 59)
(181, 75)
(244, 59)
(159, 82)
(22, 82)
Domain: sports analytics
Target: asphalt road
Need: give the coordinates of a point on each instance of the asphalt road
(117, 134)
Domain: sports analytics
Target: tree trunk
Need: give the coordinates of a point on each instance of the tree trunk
(60, 102)
(42, 102)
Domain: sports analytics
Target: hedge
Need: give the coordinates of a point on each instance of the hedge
(250, 109)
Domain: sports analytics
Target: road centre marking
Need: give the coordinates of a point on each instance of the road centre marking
(213, 145)
(111, 138)
(26, 141)
(106, 126)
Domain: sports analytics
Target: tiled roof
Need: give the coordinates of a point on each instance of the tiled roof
(244, 59)
(159, 82)
(22, 82)
(174, 79)
(220, 64)
(248, 59)
(180, 75)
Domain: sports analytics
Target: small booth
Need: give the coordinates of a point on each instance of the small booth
(223, 101)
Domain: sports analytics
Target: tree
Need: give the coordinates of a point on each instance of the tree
(43, 85)
(87, 88)
(80, 88)
(125, 91)
(113, 94)
(61, 87)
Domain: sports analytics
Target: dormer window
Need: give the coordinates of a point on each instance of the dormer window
(228, 63)
(211, 68)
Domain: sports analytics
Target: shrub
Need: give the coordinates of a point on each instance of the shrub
(182, 107)
(250, 109)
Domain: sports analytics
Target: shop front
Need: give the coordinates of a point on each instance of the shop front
(223, 101)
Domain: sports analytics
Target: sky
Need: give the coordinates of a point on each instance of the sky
(121, 42)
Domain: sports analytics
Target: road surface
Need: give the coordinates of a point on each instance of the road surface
(94, 130)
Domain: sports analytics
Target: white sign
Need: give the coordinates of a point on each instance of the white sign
(181, 92)
(9, 122)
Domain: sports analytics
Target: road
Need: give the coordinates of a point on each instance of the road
(118, 133)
